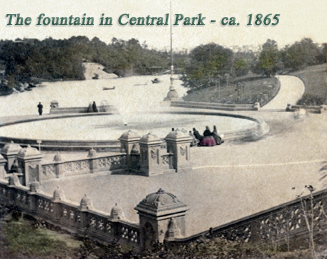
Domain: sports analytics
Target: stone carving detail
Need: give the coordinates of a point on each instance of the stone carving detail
(78, 166)
(183, 150)
(49, 169)
(32, 172)
(165, 160)
(153, 154)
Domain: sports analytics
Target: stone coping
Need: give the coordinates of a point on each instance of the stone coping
(114, 145)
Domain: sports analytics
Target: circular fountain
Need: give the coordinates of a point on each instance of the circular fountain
(138, 109)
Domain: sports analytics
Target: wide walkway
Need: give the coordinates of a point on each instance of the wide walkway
(291, 90)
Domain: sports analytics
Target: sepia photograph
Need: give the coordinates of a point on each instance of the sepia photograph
(163, 129)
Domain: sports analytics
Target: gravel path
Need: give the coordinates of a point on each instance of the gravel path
(291, 90)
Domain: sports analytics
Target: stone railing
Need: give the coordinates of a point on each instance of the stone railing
(215, 106)
(309, 108)
(93, 164)
(65, 110)
(277, 225)
(82, 219)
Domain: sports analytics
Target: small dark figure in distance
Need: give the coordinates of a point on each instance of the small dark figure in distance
(94, 106)
(215, 135)
(40, 108)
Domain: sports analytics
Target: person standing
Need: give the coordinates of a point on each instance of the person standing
(40, 108)
(94, 106)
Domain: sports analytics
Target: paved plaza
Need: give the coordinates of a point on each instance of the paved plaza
(227, 182)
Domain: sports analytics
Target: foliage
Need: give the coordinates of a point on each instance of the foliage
(243, 63)
(207, 64)
(269, 61)
(302, 54)
(310, 99)
(52, 59)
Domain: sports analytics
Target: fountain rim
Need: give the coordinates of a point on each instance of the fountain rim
(113, 145)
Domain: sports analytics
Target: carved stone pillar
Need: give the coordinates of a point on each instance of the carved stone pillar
(3, 174)
(150, 155)
(162, 216)
(129, 144)
(9, 152)
(29, 162)
(179, 144)
(93, 160)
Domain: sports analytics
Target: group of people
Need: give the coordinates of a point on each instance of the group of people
(209, 138)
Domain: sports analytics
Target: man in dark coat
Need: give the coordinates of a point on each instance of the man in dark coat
(197, 134)
(94, 106)
(40, 107)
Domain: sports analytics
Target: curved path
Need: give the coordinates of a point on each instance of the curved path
(291, 90)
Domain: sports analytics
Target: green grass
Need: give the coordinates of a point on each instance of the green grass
(254, 87)
(315, 81)
(23, 239)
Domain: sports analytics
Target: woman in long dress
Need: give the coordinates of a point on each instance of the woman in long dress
(208, 139)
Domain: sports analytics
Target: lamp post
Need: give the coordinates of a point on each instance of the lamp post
(172, 94)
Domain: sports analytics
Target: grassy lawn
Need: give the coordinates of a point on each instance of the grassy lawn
(315, 81)
(252, 88)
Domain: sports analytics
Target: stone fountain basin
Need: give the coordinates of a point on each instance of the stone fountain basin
(102, 130)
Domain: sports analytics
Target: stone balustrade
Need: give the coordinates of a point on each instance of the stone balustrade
(281, 224)
(82, 219)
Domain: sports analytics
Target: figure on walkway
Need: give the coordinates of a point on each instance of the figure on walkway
(208, 139)
(197, 135)
(194, 141)
(40, 107)
(216, 136)
(94, 107)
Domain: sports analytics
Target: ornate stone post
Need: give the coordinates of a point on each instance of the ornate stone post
(129, 144)
(29, 161)
(59, 167)
(93, 160)
(179, 144)
(3, 174)
(85, 205)
(150, 152)
(162, 216)
(9, 152)
(58, 196)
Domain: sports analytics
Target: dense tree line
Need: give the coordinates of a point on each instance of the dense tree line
(204, 66)
(212, 64)
(52, 59)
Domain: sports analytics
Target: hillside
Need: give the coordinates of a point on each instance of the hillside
(91, 69)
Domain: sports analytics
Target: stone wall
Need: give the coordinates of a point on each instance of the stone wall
(81, 220)
(285, 223)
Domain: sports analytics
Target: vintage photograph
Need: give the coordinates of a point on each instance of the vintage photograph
(163, 129)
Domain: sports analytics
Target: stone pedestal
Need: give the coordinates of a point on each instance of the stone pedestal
(129, 144)
(162, 216)
(54, 104)
(3, 173)
(93, 160)
(59, 167)
(150, 155)
(256, 106)
(29, 162)
(179, 144)
(9, 152)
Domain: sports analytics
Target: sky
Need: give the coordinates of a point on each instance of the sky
(297, 19)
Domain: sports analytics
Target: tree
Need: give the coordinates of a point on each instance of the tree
(302, 54)
(269, 61)
(206, 64)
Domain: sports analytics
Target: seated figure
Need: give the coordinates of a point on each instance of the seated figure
(215, 135)
(197, 135)
(208, 139)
